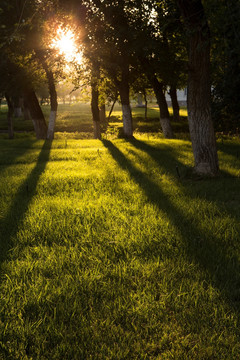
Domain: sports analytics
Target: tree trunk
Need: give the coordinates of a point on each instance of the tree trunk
(37, 116)
(139, 99)
(94, 103)
(127, 120)
(42, 56)
(53, 103)
(26, 112)
(96, 130)
(126, 108)
(17, 107)
(161, 100)
(51, 125)
(175, 105)
(199, 88)
(17, 112)
(10, 116)
(112, 107)
(102, 114)
(146, 105)
(163, 107)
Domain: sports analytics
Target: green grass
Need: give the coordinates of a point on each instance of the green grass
(77, 119)
(107, 254)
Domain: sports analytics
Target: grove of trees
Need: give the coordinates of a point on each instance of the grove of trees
(126, 45)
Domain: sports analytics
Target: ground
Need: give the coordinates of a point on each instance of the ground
(113, 249)
(108, 254)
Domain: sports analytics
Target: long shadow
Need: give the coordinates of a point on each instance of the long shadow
(166, 159)
(10, 154)
(200, 246)
(230, 149)
(224, 194)
(11, 223)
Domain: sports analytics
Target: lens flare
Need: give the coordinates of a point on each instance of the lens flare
(65, 44)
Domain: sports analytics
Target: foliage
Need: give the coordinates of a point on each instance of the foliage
(224, 23)
(114, 32)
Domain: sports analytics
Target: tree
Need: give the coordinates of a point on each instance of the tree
(95, 75)
(18, 71)
(10, 116)
(152, 56)
(108, 36)
(225, 28)
(199, 88)
(36, 113)
(42, 56)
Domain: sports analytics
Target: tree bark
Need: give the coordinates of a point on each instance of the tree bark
(199, 88)
(37, 116)
(10, 116)
(163, 107)
(102, 114)
(112, 107)
(139, 100)
(161, 100)
(174, 100)
(94, 103)
(42, 56)
(146, 106)
(123, 86)
(96, 130)
(26, 112)
(17, 106)
(53, 103)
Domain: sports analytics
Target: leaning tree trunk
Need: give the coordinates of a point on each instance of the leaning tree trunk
(112, 107)
(39, 123)
(125, 100)
(163, 107)
(174, 100)
(53, 103)
(199, 88)
(10, 116)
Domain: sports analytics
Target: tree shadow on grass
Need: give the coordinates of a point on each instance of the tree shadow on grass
(200, 246)
(10, 225)
(225, 193)
(9, 155)
(226, 185)
(232, 149)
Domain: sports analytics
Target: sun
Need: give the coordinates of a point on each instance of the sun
(65, 43)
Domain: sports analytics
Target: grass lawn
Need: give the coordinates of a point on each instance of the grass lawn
(107, 254)
(77, 118)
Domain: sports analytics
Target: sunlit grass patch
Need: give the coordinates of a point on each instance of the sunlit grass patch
(75, 121)
(111, 250)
